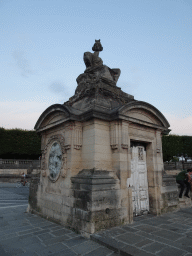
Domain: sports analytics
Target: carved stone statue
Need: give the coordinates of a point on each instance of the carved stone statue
(97, 85)
(95, 70)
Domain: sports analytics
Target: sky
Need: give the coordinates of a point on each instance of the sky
(42, 44)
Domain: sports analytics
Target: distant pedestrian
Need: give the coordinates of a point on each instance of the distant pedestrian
(23, 180)
(184, 180)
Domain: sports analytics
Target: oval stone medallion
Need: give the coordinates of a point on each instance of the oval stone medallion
(55, 161)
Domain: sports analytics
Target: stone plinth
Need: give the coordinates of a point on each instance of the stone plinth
(169, 190)
(97, 203)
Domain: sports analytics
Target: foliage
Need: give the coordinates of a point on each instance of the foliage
(175, 145)
(18, 143)
(175, 159)
(24, 144)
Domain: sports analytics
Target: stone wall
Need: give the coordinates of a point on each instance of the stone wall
(35, 180)
(177, 166)
(18, 171)
(11, 169)
(169, 193)
(19, 164)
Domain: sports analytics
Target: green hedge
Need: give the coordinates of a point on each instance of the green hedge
(18, 143)
(175, 145)
(23, 144)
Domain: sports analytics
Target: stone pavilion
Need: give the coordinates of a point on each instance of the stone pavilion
(101, 154)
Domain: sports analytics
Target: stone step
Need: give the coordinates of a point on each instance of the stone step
(118, 247)
(107, 241)
(185, 202)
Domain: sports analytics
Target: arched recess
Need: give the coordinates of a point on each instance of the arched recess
(144, 112)
(52, 115)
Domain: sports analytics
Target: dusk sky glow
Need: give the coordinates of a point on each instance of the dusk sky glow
(43, 41)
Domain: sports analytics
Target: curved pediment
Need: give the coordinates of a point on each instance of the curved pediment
(143, 112)
(52, 115)
(143, 115)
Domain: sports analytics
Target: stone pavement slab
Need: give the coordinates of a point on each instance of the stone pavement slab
(25, 234)
(166, 235)
(42, 242)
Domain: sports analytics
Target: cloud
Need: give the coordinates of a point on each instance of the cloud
(24, 115)
(57, 87)
(128, 87)
(133, 85)
(22, 63)
(60, 89)
(180, 125)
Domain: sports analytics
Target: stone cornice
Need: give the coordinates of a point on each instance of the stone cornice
(72, 114)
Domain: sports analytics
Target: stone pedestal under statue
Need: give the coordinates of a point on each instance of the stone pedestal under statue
(101, 154)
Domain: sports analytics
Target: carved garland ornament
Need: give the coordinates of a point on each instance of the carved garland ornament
(54, 142)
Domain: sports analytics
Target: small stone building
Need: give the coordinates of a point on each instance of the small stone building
(101, 154)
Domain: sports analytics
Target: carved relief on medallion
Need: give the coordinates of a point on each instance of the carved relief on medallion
(54, 158)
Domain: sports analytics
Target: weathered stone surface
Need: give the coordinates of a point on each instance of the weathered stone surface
(96, 130)
(100, 209)
(169, 191)
(33, 192)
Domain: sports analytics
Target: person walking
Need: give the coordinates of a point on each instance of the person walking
(184, 179)
(23, 180)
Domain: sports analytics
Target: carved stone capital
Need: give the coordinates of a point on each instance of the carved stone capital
(114, 146)
(67, 147)
(124, 146)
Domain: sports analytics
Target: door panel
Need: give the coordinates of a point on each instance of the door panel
(138, 180)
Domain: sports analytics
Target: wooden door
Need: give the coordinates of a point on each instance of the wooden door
(138, 180)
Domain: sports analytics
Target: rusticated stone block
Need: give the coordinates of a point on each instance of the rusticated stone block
(96, 201)
(33, 192)
(169, 191)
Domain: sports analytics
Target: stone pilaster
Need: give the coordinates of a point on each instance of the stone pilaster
(120, 146)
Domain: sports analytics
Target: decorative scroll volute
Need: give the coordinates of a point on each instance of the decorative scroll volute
(73, 136)
(124, 136)
(119, 135)
(77, 137)
(158, 141)
(68, 136)
(114, 138)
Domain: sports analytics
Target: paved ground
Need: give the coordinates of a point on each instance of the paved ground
(166, 235)
(27, 234)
